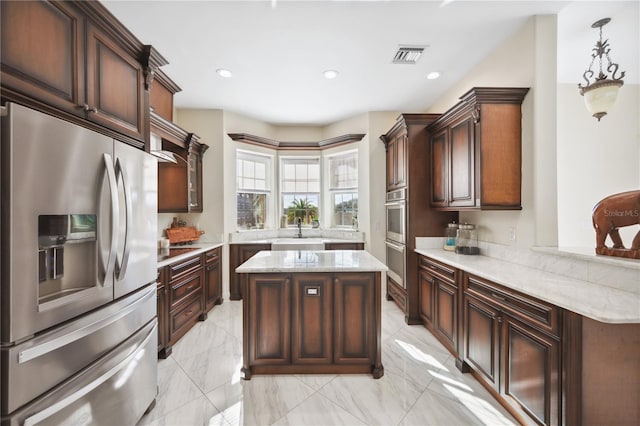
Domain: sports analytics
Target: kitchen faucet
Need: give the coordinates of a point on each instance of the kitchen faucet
(299, 235)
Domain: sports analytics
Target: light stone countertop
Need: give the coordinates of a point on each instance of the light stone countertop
(601, 303)
(199, 248)
(323, 240)
(312, 261)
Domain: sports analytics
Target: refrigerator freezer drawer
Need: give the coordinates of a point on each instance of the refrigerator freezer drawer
(37, 365)
(115, 390)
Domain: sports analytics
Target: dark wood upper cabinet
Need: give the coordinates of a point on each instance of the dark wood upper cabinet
(397, 161)
(476, 160)
(161, 95)
(115, 86)
(74, 60)
(179, 184)
(42, 47)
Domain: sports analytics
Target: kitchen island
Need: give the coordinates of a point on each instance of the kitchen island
(312, 312)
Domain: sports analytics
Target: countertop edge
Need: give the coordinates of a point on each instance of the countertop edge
(277, 267)
(593, 302)
(199, 249)
(274, 240)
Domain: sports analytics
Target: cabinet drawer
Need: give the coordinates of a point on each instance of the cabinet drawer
(212, 255)
(183, 317)
(442, 271)
(177, 270)
(534, 312)
(185, 288)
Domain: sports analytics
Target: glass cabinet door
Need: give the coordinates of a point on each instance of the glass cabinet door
(194, 172)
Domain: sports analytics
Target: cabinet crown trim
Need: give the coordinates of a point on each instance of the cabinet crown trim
(481, 95)
(271, 143)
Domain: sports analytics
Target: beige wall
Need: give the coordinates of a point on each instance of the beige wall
(595, 159)
(527, 59)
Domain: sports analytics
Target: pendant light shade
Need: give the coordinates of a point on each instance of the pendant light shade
(601, 93)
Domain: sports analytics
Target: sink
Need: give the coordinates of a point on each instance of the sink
(297, 244)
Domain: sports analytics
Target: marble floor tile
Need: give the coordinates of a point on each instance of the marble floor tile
(384, 401)
(215, 367)
(199, 384)
(175, 389)
(318, 411)
(432, 409)
(197, 412)
(259, 401)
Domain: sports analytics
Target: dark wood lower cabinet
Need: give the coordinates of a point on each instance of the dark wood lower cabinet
(312, 330)
(238, 254)
(187, 290)
(482, 340)
(270, 330)
(344, 246)
(544, 364)
(510, 353)
(212, 278)
(312, 323)
(439, 302)
(531, 371)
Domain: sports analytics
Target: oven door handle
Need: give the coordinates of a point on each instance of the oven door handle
(394, 203)
(396, 247)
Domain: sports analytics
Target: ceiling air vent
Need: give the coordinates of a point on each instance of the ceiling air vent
(408, 54)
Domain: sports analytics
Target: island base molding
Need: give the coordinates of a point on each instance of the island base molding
(376, 372)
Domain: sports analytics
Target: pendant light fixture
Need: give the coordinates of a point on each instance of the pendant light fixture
(601, 93)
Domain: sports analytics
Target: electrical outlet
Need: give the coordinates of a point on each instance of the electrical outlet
(512, 233)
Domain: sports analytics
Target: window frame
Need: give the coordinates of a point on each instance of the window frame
(284, 159)
(267, 161)
(337, 190)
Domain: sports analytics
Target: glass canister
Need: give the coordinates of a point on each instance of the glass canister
(467, 239)
(450, 236)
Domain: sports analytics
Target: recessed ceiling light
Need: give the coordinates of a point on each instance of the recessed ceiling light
(330, 74)
(433, 75)
(224, 73)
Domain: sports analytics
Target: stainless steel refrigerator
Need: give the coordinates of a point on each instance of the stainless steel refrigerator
(78, 336)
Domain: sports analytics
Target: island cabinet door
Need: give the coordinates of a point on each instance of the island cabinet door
(355, 321)
(270, 328)
(312, 319)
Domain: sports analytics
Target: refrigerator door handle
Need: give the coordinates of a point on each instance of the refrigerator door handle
(65, 402)
(113, 192)
(121, 266)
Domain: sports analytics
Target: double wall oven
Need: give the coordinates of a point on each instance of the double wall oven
(395, 208)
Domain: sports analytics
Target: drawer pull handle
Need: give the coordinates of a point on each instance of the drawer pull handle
(497, 296)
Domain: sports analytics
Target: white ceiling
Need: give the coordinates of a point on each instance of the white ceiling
(278, 49)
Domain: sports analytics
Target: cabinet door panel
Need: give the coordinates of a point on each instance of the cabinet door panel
(391, 167)
(42, 52)
(481, 343)
(213, 284)
(426, 298)
(401, 161)
(312, 317)
(439, 169)
(269, 306)
(355, 321)
(238, 254)
(115, 86)
(447, 313)
(461, 164)
(531, 372)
